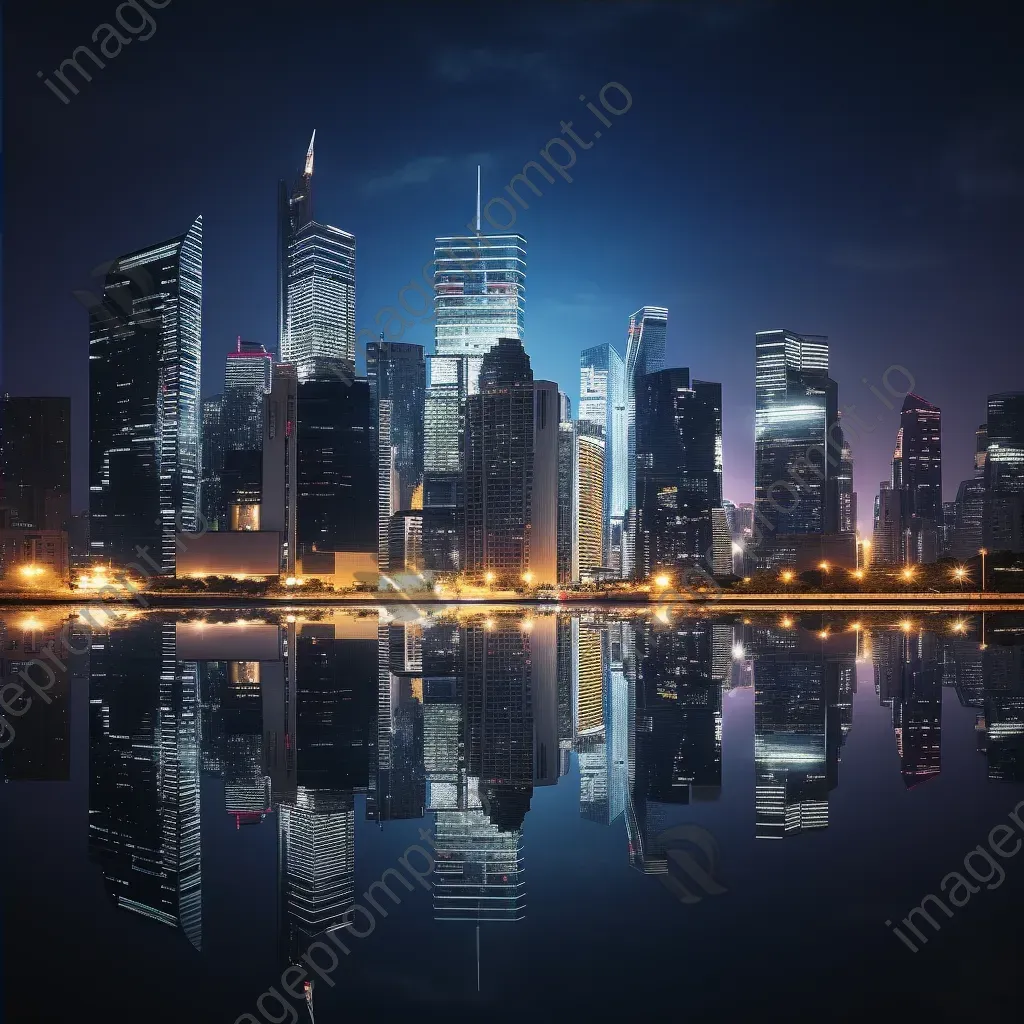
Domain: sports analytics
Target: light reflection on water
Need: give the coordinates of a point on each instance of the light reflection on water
(239, 778)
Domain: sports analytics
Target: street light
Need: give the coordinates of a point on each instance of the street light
(527, 578)
(908, 573)
(662, 581)
(787, 575)
(858, 574)
(824, 566)
(488, 576)
(960, 574)
(983, 552)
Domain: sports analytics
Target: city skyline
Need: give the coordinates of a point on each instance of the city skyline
(836, 262)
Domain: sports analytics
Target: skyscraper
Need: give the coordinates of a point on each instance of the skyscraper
(212, 460)
(279, 498)
(847, 495)
(543, 522)
(498, 459)
(247, 381)
(337, 477)
(316, 293)
(35, 462)
(645, 353)
(1004, 472)
(396, 372)
(797, 447)
(679, 471)
(145, 348)
(603, 402)
(917, 480)
(588, 520)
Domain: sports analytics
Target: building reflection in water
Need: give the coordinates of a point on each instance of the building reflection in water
(458, 722)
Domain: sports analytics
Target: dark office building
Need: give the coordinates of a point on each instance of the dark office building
(397, 372)
(35, 446)
(499, 445)
(145, 348)
(210, 490)
(917, 481)
(679, 470)
(337, 485)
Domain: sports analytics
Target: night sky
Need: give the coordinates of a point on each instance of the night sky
(851, 170)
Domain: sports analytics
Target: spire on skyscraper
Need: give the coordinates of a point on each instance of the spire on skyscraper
(308, 172)
(478, 197)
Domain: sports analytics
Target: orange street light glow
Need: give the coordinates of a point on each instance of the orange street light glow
(908, 573)
(858, 574)
(906, 625)
(662, 581)
(824, 566)
(489, 576)
(787, 622)
(787, 576)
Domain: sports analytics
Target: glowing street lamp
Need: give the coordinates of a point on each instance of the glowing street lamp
(858, 574)
(906, 625)
(983, 552)
(823, 634)
(908, 573)
(527, 578)
(788, 575)
(787, 622)
(960, 626)
(488, 577)
(824, 566)
(661, 581)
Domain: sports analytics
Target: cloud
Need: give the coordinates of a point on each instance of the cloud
(888, 259)
(423, 170)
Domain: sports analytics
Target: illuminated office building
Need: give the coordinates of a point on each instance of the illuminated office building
(917, 480)
(279, 505)
(917, 709)
(588, 518)
(603, 403)
(145, 348)
(796, 413)
(847, 495)
(316, 286)
(1003, 527)
(645, 353)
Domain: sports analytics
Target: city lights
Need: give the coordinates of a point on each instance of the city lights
(857, 574)
(787, 576)
(824, 566)
(489, 577)
(908, 572)
(787, 622)
(906, 625)
(662, 581)
(31, 571)
(527, 578)
(959, 626)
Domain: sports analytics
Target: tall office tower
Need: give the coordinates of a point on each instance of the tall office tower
(1004, 473)
(144, 809)
(247, 381)
(564, 407)
(847, 495)
(679, 472)
(35, 462)
(917, 477)
(247, 795)
(316, 294)
(337, 477)
(796, 449)
(645, 353)
(721, 543)
(1002, 698)
(387, 482)
(210, 490)
(479, 297)
(498, 460)
(316, 865)
(790, 727)
(279, 505)
(603, 402)
(397, 373)
(145, 348)
(588, 518)
(543, 522)
(566, 498)
(887, 547)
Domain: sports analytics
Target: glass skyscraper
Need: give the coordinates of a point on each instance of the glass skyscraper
(145, 348)
(1003, 527)
(316, 292)
(796, 414)
(603, 402)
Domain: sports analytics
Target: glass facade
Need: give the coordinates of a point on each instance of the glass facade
(145, 347)
(645, 353)
(316, 293)
(797, 444)
(603, 402)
